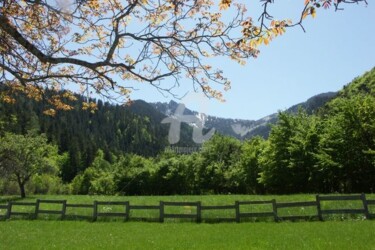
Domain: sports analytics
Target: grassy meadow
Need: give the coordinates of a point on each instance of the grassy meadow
(337, 232)
(138, 235)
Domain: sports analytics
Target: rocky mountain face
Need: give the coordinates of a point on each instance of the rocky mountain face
(232, 127)
(240, 128)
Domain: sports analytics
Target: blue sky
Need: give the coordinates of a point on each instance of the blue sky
(336, 48)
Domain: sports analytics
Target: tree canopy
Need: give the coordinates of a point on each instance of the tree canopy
(21, 157)
(104, 46)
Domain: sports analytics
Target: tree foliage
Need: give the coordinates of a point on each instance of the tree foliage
(104, 46)
(249, 165)
(347, 146)
(21, 157)
(288, 162)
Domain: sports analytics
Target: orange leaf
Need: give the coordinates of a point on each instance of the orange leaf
(266, 41)
(313, 12)
(304, 15)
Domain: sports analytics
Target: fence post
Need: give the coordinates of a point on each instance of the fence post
(36, 208)
(365, 206)
(63, 212)
(199, 211)
(237, 207)
(9, 210)
(161, 218)
(127, 210)
(318, 207)
(274, 209)
(95, 212)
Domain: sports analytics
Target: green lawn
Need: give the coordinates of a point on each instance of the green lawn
(139, 235)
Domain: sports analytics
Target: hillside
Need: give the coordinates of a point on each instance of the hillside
(332, 150)
(263, 126)
(113, 128)
(138, 128)
(364, 84)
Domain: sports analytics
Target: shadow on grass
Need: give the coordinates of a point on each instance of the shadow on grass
(15, 198)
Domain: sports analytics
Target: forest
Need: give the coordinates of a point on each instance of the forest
(119, 150)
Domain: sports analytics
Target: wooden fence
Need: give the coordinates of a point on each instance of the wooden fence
(237, 208)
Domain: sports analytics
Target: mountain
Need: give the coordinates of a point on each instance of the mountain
(144, 109)
(240, 128)
(364, 84)
(313, 103)
(263, 125)
(226, 126)
(141, 128)
(115, 129)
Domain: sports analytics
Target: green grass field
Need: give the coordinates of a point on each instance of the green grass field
(352, 232)
(140, 235)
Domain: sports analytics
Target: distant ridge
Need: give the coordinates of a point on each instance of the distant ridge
(241, 128)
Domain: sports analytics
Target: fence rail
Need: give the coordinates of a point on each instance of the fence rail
(362, 197)
(61, 212)
(192, 210)
(296, 204)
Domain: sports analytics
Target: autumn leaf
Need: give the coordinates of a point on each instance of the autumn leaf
(266, 41)
(225, 4)
(313, 12)
(49, 112)
(8, 99)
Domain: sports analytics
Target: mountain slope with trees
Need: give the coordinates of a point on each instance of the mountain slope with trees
(330, 150)
(112, 128)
